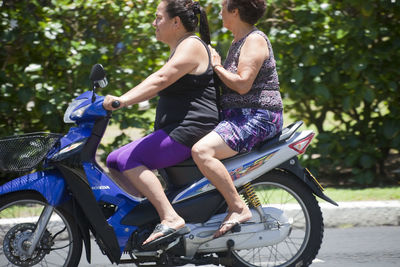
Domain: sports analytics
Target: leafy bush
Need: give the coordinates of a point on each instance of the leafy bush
(50, 47)
(339, 65)
(337, 62)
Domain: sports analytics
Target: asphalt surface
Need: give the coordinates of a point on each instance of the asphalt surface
(338, 222)
(343, 247)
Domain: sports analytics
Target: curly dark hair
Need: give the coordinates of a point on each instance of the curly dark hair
(187, 11)
(250, 11)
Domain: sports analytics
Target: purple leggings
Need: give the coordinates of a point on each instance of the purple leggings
(154, 151)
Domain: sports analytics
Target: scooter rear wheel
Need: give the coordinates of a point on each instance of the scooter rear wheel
(61, 244)
(286, 192)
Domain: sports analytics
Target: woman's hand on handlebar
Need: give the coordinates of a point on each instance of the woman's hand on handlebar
(110, 102)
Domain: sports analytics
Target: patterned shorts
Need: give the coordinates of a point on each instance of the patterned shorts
(242, 129)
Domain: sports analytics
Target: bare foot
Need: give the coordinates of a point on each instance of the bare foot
(174, 223)
(232, 219)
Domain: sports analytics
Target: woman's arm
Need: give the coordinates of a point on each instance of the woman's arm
(252, 55)
(189, 55)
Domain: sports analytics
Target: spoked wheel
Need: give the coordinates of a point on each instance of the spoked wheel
(287, 193)
(60, 245)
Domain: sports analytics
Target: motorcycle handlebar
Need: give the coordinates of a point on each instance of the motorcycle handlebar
(115, 104)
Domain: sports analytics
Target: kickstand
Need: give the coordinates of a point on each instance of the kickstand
(230, 244)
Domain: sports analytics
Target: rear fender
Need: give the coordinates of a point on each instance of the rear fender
(50, 184)
(293, 166)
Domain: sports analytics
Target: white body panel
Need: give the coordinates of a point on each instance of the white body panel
(243, 168)
(253, 234)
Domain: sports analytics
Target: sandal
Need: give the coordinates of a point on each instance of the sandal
(169, 234)
(234, 228)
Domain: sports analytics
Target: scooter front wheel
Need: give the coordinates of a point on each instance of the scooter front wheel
(284, 191)
(60, 245)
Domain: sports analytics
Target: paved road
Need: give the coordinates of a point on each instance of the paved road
(361, 246)
(346, 247)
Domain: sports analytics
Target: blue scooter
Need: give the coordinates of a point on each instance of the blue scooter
(47, 216)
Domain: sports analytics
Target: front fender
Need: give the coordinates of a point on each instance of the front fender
(49, 183)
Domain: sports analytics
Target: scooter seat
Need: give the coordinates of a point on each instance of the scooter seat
(186, 172)
(182, 174)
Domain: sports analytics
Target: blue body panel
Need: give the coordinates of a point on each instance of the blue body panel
(84, 124)
(104, 189)
(48, 183)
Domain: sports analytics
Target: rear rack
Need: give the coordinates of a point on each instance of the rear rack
(286, 134)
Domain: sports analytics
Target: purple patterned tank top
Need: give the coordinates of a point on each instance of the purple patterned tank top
(264, 92)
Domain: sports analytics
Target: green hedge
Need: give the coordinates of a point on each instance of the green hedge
(338, 65)
(49, 48)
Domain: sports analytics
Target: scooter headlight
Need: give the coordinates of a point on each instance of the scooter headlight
(68, 150)
(75, 112)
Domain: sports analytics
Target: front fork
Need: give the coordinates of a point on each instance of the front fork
(40, 229)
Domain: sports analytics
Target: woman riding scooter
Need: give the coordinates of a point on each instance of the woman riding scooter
(186, 111)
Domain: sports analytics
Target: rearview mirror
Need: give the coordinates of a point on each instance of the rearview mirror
(98, 76)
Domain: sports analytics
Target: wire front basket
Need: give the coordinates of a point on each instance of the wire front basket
(23, 153)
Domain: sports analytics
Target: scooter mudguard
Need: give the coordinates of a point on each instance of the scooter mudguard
(50, 184)
(305, 175)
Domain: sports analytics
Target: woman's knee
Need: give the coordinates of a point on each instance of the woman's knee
(116, 161)
(200, 152)
(111, 161)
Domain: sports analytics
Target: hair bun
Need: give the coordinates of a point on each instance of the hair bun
(196, 8)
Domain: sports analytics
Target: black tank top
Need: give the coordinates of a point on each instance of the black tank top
(187, 109)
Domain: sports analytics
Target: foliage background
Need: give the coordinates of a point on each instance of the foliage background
(338, 63)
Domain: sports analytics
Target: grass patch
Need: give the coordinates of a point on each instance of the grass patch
(367, 194)
(21, 211)
(273, 195)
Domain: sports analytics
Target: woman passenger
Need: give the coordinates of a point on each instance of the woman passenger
(251, 103)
